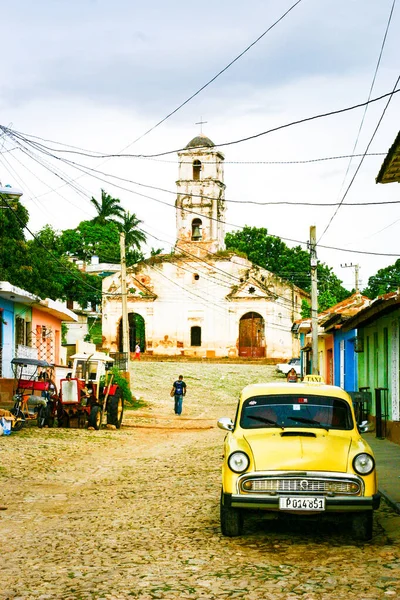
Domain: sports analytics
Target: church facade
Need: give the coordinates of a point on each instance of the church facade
(202, 300)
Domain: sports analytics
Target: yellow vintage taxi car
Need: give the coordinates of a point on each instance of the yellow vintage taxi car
(296, 448)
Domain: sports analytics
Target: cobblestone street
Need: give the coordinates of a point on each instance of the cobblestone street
(135, 512)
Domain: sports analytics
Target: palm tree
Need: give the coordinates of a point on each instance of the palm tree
(134, 236)
(107, 208)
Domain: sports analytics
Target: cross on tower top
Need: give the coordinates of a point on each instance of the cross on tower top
(201, 123)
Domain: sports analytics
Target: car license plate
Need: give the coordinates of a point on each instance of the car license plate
(301, 503)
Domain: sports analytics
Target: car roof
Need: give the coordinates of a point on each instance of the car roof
(307, 388)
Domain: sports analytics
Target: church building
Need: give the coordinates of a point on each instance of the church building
(202, 300)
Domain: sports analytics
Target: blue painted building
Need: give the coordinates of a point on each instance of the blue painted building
(6, 336)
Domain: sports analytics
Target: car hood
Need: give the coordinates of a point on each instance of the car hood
(292, 450)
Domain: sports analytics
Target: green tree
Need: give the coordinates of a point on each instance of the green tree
(305, 309)
(292, 264)
(386, 280)
(51, 274)
(107, 208)
(13, 250)
(92, 238)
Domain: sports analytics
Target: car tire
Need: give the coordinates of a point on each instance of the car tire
(95, 417)
(231, 520)
(115, 409)
(362, 524)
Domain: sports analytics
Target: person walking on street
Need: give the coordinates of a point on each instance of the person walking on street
(178, 391)
(137, 352)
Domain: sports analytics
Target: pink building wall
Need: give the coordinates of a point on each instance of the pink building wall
(46, 335)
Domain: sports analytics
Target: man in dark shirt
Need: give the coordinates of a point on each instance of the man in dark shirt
(178, 391)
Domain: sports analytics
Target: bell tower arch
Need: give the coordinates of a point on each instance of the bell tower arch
(200, 202)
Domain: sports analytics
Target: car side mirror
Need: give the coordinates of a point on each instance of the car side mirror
(363, 427)
(225, 423)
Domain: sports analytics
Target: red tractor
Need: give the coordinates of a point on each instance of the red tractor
(89, 392)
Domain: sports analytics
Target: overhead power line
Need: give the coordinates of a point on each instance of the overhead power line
(372, 86)
(226, 162)
(15, 134)
(89, 170)
(303, 243)
(203, 87)
(362, 159)
(366, 107)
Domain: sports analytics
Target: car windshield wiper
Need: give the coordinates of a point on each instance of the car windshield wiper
(310, 421)
(265, 420)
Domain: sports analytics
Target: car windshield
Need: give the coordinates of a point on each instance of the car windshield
(293, 410)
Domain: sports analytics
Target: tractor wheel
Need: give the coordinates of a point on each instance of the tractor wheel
(82, 420)
(63, 419)
(115, 409)
(50, 419)
(42, 416)
(95, 417)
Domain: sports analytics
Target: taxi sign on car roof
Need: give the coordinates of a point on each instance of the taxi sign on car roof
(313, 379)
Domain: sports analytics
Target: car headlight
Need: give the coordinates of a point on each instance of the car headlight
(238, 462)
(363, 464)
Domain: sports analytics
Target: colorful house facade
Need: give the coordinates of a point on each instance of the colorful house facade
(30, 327)
(337, 350)
(379, 358)
(340, 345)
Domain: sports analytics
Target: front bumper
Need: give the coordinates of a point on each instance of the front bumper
(271, 502)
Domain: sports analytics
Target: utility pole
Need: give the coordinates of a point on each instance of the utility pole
(356, 272)
(314, 299)
(124, 299)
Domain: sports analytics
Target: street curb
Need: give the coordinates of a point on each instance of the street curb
(389, 501)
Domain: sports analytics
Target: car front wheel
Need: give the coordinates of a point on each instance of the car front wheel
(362, 524)
(231, 520)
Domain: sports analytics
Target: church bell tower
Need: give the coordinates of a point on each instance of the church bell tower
(200, 202)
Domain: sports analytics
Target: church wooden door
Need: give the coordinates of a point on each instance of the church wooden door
(251, 336)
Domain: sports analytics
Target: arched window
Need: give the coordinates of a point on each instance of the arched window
(196, 230)
(195, 336)
(196, 169)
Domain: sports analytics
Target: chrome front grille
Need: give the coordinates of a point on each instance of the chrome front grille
(300, 485)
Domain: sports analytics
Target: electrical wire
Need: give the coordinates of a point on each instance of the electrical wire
(219, 307)
(214, 78)
(87, 169)
(32, 195)
(219, 145)
(301, 242)
(237, 280)
(361, 161)
(54, 258)
(370, 93)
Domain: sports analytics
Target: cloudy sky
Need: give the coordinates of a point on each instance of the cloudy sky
(97, 75)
